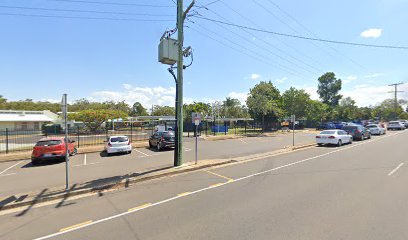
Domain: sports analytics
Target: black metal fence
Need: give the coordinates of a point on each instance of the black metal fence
(24, 140)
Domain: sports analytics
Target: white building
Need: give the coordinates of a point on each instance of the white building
(25, 120)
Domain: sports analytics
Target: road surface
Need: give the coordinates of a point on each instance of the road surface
(356, 191)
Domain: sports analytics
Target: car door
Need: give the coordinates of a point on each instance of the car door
(342, 135)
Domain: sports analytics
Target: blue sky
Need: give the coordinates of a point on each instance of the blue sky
(43, 57)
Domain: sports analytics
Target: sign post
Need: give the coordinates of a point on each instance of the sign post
(64, 109)
(196, 118)
(293, 120)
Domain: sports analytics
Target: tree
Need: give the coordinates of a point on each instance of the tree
(386, 110)
(232, 108)
(295, 102)
(317, 111)
(163, 111)
(347, 109)
(265, 102)
(138, 110)
(93, 119)
(199, 107)
(328, 89)
(3, 102)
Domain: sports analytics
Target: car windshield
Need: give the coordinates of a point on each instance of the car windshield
(168, 134)
(350, 128)
(119, 139)
(48, 143)
(372, 126)
(328, 132)
(394, 122)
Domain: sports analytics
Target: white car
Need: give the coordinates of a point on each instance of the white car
(395, 125)
(118, 144)
(335, 137)
(376, 129)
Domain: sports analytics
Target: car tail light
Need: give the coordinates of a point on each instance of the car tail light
(358, 131)
(331, 137)
(317, 136)
(129, 143)
(109, 144)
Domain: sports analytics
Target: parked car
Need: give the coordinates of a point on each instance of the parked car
(324, 126)
(405, 122)
(334, 137)
(395, 125)
(118, 144)
(161, 140)
(339, 125)
(376, 129)
(358, 132)
(51, 149)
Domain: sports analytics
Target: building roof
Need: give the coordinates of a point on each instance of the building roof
(27, 116)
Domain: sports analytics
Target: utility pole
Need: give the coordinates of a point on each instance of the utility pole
(181, 16)
(395, 85)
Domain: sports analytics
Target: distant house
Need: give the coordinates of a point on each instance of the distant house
(25, 120)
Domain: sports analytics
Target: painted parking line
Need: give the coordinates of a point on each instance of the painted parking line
(73, 227)
(84, 159)
(140, 207)
(218, 175)
(89, 164)
(5, 170)
(144, 154)
(396, 169)
(243, 141)
(186, 194)
(187, 149)
(8, 174)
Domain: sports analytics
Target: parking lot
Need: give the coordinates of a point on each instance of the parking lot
(96, 168)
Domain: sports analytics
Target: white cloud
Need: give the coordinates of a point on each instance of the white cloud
(312, 92)
(374, 75)
(372, 33)
(366, 95)
(255, 76)
(281, 80)
(147, 96)
(349, 79)
(242, 97)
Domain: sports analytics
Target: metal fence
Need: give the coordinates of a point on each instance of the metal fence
(22, 140)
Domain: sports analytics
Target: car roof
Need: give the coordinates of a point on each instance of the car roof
(51, 139)
(117, 136)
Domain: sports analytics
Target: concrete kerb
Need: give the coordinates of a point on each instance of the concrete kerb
(60, 193)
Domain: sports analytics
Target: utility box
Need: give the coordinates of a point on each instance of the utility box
(168, 51)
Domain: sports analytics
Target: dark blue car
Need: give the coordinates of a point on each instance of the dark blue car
(325, 126)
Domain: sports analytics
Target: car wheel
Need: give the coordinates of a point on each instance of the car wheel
(351, 140)
(339, 143)
(129, 152)
(74, 152)
(320, 144)
(369, 136)
(150, 145)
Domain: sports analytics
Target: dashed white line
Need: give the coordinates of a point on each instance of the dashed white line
(395, 169)
(5, 170)
(187, 149)
(84, 159)
(146, 155)
(243, 141)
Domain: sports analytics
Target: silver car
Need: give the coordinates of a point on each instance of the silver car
(376, 129)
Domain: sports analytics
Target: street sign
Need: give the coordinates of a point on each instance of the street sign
(194, 117)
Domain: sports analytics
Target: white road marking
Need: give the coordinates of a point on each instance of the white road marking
(187, 149)
(142, 153)
(203, 189)
(10, 167)
(395, 169)
(8, 174)
(243, 141)
(84, 159)
(80, 165)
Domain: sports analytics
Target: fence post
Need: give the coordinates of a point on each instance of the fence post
(213, 127)
(245, 125)
(235, 126)
(225, 127)
(131, 132)
(78, 136)
(7, 141)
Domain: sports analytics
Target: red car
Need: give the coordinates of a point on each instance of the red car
(51, 148)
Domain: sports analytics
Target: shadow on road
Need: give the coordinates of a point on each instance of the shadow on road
(33, 203)
(105, 154)
(44, 163)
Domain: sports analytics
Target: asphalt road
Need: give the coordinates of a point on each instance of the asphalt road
(356, 191)
(97, 168)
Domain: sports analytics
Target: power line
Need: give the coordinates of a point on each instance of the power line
(264, 48)
(312, 33)
(83, 11)
(303, 37)
(242, 52)
(87, 18)
(115, 3)
(249, 50)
